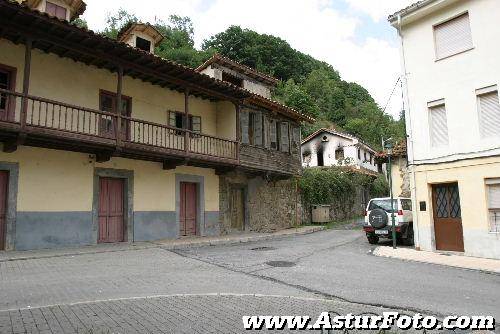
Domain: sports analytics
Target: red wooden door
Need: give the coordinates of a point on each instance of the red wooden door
(4, 182)
(448, 229)
(188, 208)
(7, 78)
(111, 210)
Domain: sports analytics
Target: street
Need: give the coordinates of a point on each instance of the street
(208, 289)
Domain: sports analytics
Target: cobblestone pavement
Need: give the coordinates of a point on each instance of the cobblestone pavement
(169, 314)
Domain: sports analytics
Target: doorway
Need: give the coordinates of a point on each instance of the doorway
(447, 213)
(4, 186)
(237, 208)
(188, 209)
(111, 210)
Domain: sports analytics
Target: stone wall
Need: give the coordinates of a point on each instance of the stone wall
(269, 205)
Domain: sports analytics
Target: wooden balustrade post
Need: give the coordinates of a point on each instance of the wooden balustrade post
(186, 120)
(119, 106)
(26, 83)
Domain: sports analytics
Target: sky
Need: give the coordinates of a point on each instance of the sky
(351, 35)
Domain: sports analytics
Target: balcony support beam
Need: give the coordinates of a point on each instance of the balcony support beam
(26, 83)
(186, 120)
(119, 88)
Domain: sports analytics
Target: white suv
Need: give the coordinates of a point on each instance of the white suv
(378, 221)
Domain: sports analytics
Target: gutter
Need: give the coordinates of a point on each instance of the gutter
(397, 17)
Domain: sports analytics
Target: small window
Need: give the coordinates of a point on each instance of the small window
(176, 120)
(489, 114)
(359, 154)
(284, 137)
(453, 36)
(273, 134)
(55, 10)
(438, 126)
(143, 44)
(493, 190)
(339, 154)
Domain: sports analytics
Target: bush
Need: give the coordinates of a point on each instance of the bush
(380, 187)
(328, 185)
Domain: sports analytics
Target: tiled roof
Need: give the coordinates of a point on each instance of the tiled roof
(238, 67)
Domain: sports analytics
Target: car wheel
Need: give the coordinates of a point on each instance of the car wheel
(373, 239)
(408, 241)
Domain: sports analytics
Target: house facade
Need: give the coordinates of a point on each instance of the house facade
(451, 78)
(326, 148)
(102, 141)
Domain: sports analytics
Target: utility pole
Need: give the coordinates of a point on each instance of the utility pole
(388, 146)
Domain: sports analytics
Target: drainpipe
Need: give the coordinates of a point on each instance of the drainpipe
(410, 146)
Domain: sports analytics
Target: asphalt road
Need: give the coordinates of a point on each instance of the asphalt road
(339, 264)
(209, 289)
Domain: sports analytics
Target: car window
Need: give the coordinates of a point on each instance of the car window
(406, 204)
(384, 204)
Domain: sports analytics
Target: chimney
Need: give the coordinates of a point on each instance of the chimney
(142, 36)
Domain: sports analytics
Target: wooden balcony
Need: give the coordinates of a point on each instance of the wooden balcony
(35, 121)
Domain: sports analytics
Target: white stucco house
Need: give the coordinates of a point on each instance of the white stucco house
(327, 147)
(451, 75)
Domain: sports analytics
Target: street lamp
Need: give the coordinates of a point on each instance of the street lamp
(388, 146)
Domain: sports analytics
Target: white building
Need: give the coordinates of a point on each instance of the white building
(451, 75)
(327, 147)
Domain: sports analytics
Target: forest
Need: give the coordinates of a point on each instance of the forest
(307, 84)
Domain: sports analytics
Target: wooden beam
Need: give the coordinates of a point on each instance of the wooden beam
(186, 120)
(172, 164)
(103, 156)
(119, 88)
(26, 82)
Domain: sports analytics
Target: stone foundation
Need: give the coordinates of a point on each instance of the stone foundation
(269, 205)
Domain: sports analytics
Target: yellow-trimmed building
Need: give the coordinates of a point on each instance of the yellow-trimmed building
(102, 141)
(451, 76)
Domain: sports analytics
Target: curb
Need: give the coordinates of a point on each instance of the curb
(166, 246)
(476, 269)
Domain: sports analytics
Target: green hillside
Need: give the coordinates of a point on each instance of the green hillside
(309, 85)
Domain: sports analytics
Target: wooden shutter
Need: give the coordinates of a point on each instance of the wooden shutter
(438, 126)
(196, 124)
(284, 137)
(295, 140)
(265, 124)
(453, 36)
(489, 109)
(171, 118)
(273, 135)
(257, 133)
(244, 120)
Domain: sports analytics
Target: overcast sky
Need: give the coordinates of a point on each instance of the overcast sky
(351, 35)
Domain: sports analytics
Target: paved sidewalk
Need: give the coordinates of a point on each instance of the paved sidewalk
(446, 259)
(165, 244)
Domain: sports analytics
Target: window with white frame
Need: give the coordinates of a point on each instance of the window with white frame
(493, 190)
(489, 112)
(438, 125)
(453, 36)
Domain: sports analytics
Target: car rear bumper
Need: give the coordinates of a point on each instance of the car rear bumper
(386, 231)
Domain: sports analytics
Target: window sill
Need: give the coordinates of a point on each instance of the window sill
(455, 54)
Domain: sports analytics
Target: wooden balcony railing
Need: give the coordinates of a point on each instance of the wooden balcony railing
(36, 115)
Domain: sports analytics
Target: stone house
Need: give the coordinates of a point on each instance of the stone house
(103, 141)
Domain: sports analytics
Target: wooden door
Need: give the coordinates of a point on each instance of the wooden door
(108, 103)
(237, 209)
(447, 217)
(4, 183)
(111, 210)
(188, 209)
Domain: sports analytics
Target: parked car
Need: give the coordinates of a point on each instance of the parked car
(378, 221)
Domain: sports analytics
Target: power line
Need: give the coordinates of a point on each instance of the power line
(392, 93)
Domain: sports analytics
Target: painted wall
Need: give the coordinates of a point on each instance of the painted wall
(55, 194)
(75, 83)
(329, 147)
(470, 175)
(454, 79)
